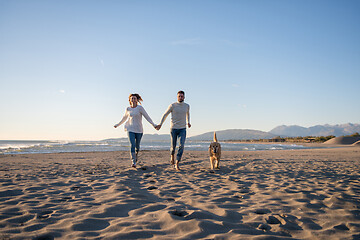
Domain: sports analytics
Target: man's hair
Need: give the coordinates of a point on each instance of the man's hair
(181, 92)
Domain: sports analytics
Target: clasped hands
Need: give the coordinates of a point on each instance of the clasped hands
(157, 127)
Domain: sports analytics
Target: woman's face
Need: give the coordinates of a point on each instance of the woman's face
(133, 101)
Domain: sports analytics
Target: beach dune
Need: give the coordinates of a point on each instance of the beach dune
(287, 194)
(343, 140)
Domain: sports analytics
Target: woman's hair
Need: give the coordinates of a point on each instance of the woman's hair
(139, 99)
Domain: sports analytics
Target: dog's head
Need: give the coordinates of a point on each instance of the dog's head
(214, 147)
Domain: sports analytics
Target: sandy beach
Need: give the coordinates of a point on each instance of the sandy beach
(285, 194)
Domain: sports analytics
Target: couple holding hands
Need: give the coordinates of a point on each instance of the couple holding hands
(180, 117)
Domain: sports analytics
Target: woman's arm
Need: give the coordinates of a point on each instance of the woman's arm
(147, 117)
(126, 115)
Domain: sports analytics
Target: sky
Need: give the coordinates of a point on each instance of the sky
(68, 67)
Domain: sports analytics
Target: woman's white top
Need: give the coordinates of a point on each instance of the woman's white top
(134, 116)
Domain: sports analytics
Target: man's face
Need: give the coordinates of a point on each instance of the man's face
(180, 97)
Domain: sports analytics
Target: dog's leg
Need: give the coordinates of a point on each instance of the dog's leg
(217, 163)
(211, 163)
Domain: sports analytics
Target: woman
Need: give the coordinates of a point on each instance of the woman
(134, 126)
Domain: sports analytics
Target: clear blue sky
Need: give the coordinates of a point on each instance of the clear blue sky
(67, 67)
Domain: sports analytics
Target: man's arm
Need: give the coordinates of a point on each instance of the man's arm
(168, 111)
(188, 117)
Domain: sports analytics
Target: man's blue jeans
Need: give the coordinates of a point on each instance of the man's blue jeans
(175, 134)
(134, 139)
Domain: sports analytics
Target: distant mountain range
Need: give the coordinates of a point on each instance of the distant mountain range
(230, 134)
(233, 134)
(318, 130)
(283, 131)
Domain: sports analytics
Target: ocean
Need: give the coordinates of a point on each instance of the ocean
(26, 147)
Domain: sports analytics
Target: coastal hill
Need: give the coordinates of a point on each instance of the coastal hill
(233, 134)
(248, 134)
(283, 131)
(223, 135)
(230, 134)
(318, 130)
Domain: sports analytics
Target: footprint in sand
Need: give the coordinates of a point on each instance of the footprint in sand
(272, 220)
(264, 227)
(44, 214)
(91, 225)
(170, 199)
(342, 227)
(179, 213)
(262, 211)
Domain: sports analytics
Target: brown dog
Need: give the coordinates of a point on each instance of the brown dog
(215, 153)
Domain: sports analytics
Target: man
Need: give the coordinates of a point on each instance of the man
(180, 114)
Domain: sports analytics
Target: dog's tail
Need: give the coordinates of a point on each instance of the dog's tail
(215, 138)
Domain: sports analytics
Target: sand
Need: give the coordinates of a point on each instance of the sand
(343, 140)
(292, 194)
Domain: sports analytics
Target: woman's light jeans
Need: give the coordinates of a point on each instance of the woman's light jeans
(134, 139)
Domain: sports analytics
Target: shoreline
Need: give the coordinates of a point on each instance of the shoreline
(283, 194)
(305, 145)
